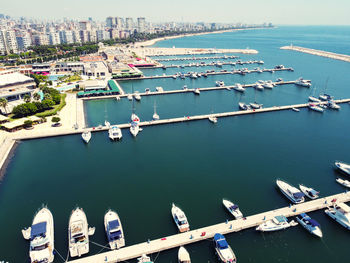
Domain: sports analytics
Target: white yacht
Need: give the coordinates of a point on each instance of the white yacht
(309, 224)
(193, 76)
(255, 105)
(340, 213)
(345, 183)
(135, 119)
(115, 133)
(137, 96)
(258, 86)
(325, 97)
(41, 236)
(155, 114)
(344, 167)
(213, 119)
(159, 89)
(276, 223)
(185, 87)
(239, 87)
(292, 193)
(303, 83)
(243, 106)
(144, 259)
(197, 91)
(314, 107)
(220, 84)
(107, 124)
(180, 219)
(332, 105)
(309, 192)
(129, 96)
(134, 129)
(232, 208)
(223, 249)
(114, 230)
(183, 255)
(78, 233)
(268, 84)
(86, 136)
(314, 99)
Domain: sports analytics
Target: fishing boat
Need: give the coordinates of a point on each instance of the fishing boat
(309, 224)
(296, 109)
(197, 91)
(86, 136)
(155, 114)
(115, 133)
(41, 236)
(144, 259)
(180, 219)
(340, 213)
(344, 167)
(238, 87)
(232, 208)
(345, 183)
(78, 233)
(275, 224)
(183, 255)
(309, 192)
(292, 193)
(314, 107)
(303, 83)
(114, 230)
(222, 248)
(134, 129)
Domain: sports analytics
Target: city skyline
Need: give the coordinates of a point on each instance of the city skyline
(296, 13)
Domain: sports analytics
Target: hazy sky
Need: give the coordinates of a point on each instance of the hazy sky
(292, 12)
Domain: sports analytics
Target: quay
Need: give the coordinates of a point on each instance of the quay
(208, 232)
(211, 64)
(173, 120)
(195, 58)
(320, 53)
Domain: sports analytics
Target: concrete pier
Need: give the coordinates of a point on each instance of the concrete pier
(211, 64)
(320, 53)
(195, 58)
(174, 241)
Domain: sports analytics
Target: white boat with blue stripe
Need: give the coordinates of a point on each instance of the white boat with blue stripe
(223, 249)
(114, 230)
(292, 193)
(310, 224)
(340, 213)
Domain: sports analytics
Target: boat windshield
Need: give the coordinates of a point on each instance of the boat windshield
(41, 247)
(182, 222)
(115, 235)
(79, 238)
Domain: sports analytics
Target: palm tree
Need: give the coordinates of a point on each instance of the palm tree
(47, 96)
(27, 98)
(36, 96)
(3, 104)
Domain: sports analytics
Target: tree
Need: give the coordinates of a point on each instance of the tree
(3, 104)
(28, 123)
(36, 96)
(47, 96)
(56, 119)
(27, 98)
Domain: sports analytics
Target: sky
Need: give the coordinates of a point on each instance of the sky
(279, 12)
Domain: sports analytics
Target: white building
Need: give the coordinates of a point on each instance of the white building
(129, 23)
(8, 42)
(141, 24)
(54, 38)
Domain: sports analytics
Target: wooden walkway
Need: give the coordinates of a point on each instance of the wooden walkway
(208, 232)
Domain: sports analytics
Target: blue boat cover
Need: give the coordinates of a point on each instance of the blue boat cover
(234, 207)
(221, 242)
(113, 224)
(298, 195)
(314, 223)
(38, 230)
(115, 235)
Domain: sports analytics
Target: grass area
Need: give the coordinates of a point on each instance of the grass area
(55, 109)
(70, 78)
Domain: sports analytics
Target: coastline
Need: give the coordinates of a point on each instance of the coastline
(7, 153)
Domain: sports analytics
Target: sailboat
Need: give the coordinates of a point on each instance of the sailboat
(324, 96)
(135, 120)
(312, 98)
(155, 115)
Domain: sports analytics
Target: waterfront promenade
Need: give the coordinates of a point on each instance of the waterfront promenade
(201, 234)
(320, 53)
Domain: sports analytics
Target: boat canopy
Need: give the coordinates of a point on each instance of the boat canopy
(298, 195)
(113, 224)
(281, 219)
(221, 242)
(314, 223)
(38, 229)
(234, 207)
(115, 235)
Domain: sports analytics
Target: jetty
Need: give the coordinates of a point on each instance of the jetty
(204, 233)
(195, 58)
(320, 53)
(217, 63)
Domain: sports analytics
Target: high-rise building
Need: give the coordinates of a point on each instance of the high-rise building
(54, 38)
(141, 24)
(129, 23)
(119, 22)
(40, 39)
(8, 42)
(110, 22)
(23, 40)
(85, 25)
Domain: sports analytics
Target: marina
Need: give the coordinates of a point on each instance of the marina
(233, 226)
(195, 58)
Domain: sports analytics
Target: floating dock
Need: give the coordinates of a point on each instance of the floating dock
(320, 53)
(208, 232)
(196, 58)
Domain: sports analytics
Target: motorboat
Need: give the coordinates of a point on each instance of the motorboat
(344, 167)
(134, 129)
(86, 136)
(144, 259)
(296, 109)
(115, 133)
(174, 76)
(180, 219)
(345, 183)
(193, 76)
(260, 62)
(268, 84)
(134, 118)
(114, 230)
(340, 213)
(147, 90)
(332, 105)
(213, 119)
(292, 193)
(41, 237)
(129, 96)
(258, 86)
(197, 91)
(107, 124)
(303, 83)
(275, 224)
(314, 99)
(137, 96)
(243, 106)
(185, 87)
(155, 114)
(325, 97)
(232, 208)
(314, 107)
(220, 84)
(183, 255)
(78, 233)
(159, 89)
(239, 87)
(309, 192)
(222, 248)
(255, 105)
(309, 224)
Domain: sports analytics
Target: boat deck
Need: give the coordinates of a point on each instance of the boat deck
(169, 242)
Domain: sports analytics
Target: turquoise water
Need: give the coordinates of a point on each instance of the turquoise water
(195, 164)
